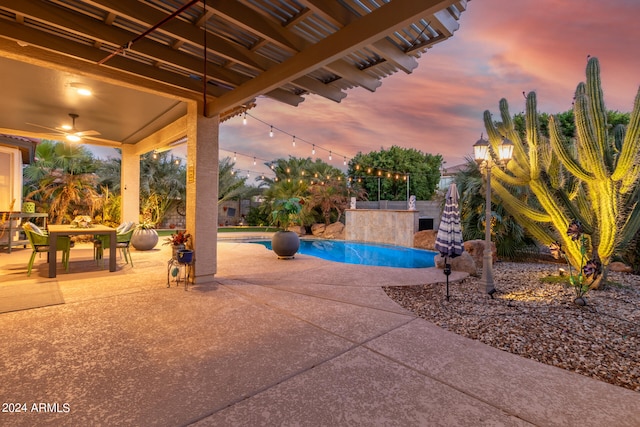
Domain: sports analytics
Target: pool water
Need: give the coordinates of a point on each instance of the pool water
(364, 253)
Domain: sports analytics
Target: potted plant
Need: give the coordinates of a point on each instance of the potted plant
(284, 214)
(144, 237)
(178, 241)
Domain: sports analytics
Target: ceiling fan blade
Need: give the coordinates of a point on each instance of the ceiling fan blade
(46, 127)
(87, 133)
(102, 142)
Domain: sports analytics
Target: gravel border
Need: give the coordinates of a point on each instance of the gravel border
(539, 320)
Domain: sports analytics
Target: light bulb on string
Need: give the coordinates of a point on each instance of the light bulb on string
(271, 132)
(345, 162)
(293, 141)
(235, 157)
(244, 119)
(247, 174)
(330, 155)
(254, 161)
(313, 150)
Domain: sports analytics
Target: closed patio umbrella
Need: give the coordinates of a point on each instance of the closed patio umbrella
(449, 238)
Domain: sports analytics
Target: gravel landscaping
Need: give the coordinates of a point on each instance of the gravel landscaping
(540, 321)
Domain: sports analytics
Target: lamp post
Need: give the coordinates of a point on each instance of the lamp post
(483, 157)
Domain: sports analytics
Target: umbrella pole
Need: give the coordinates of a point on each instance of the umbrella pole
(447, 272)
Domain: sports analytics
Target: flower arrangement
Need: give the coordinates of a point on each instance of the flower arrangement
(286, 212)
(589, 269)
(81, 221)
(178, 238)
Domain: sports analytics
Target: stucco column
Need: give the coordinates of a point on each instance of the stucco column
(202, 191)
(130, 187)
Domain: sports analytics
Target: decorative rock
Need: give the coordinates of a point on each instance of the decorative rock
(318, 229)
(620, 267)
(334, 231)
(300, 230)
(425, 239)
(476, 250)
(463, 262)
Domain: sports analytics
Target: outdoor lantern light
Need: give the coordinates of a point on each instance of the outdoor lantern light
(481, 150)
(505, 150)
(482, 155)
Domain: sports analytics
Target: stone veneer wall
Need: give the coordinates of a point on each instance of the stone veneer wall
(381, 226)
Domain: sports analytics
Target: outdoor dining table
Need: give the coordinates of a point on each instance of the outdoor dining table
(68, 230)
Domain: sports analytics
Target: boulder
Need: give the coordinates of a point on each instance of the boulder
(334, 231)
(300, 230)
(620, 267)
(475, 248)
(425, 239)
(318, 229)
(463, 263)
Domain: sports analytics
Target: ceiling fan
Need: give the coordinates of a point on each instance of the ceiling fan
(72, 134)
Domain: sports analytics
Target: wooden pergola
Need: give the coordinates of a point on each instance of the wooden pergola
(167, 72)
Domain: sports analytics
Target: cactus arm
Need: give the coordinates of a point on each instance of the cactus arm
(631, 146)
(563, 152)
(588, 144)
(597, 108)
(508, 179)
(532, 132)
(631, 226)
(517, 205)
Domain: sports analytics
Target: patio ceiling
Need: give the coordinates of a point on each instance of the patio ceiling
(143, 63)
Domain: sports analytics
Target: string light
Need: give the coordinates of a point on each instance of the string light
(294, 139)
(244, 119)
(235, 157)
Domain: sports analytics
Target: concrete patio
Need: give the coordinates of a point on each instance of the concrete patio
(270, 342)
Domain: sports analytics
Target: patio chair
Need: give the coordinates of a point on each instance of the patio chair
(123, 240)
(39, 241)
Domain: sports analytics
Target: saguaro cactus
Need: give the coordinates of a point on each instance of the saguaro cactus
(592, 178)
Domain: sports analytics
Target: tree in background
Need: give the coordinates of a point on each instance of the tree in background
(162, 184)
(390, 169)
(62, 181)
(321, 187)
(591, 178)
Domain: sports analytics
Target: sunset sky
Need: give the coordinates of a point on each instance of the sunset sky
(503, 48)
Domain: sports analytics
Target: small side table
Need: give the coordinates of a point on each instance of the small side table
(174, 265)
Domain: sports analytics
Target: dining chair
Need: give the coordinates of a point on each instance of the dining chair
(39, 241)
(123, 241)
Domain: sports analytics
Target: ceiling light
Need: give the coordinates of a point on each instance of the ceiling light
(73, 138)
(81, 89)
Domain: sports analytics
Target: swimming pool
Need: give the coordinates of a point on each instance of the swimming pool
(363, 253)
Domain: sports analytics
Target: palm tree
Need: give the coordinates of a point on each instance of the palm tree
(62, 181)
